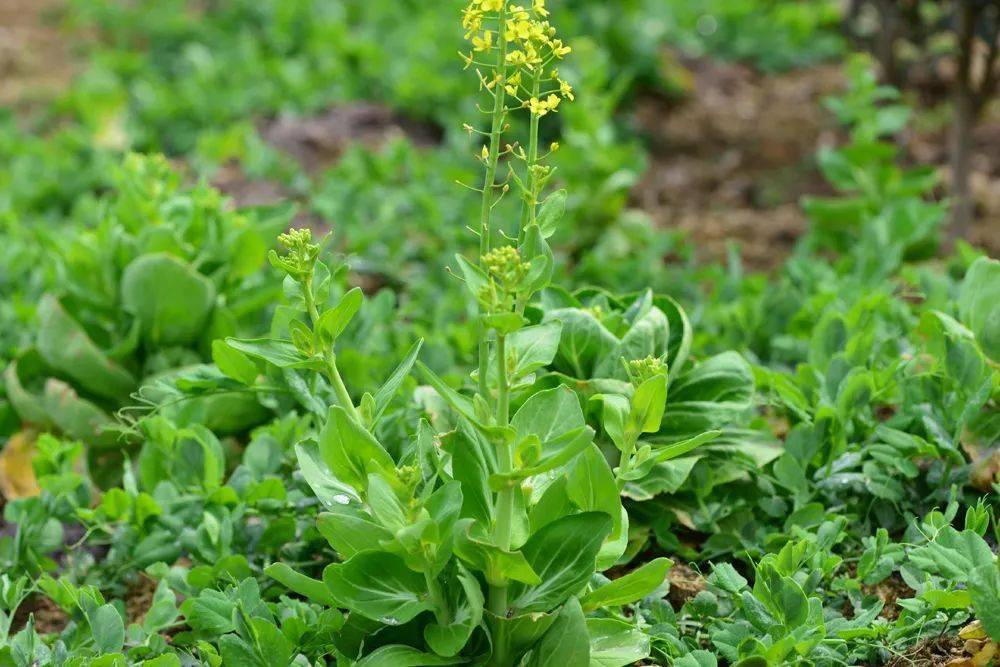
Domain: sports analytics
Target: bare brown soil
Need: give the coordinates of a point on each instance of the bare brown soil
(35, 59)
(685, 584)
(732, 160)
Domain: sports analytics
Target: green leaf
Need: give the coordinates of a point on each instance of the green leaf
(615, 643)
(567, 642)
(592, 488)
(647, 405)
(333, 322)
(952, 554)
(379, 586)
(66, 347)
(584, 340)
(465, 604)
(280, 353)
(351, 452)
(234, 363)
(530, 348)
(331, 491)
(108, 629)
(349, 530)
(388, 390)
(404, 656)
(476, 280)
(667, 453)
(630, 588)
(497, 565)
(171, 300)
(563, 553)
(711, 395)
(549, 415)
(551, 212)
(311, 589)
(984, 586)
(979, 304)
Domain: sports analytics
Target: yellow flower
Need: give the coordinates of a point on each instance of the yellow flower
(541, 107)
(539, 7)
(491, 5)
(486, 153)
(484, 43)
(517, 58)
(566, 90)
(559, 49)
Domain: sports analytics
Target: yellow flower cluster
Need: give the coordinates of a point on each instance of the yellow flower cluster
(530, 47)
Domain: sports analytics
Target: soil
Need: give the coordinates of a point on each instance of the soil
(685, 584)
(318, 141)
(49, 617)
(35, 60)
(731, 161)
(932, 652)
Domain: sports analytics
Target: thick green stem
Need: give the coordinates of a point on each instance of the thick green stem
(504, 509)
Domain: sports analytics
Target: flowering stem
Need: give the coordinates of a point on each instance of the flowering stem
(329, 356)
(485, 225)
(531, 200)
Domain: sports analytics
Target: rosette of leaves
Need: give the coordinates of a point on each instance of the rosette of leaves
(134, 295)
(663, 416)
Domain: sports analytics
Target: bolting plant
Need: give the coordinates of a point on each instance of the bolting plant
(482, 539)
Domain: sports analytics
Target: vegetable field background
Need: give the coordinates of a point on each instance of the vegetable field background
(499, 332)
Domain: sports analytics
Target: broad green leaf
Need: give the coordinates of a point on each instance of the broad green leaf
(379, 586)
(497, 565)
(333, 322)
(563, 553)
(107, 628)
(615, 643)
(630, 588)
(549, 414)
(280, 353)
(514, 635)
(530, 348)
(171, 300)
(67, 348)
(234, 363)
(351, 452)
(398, 655)
(712, 394)
(465, 604)
(584, 340)
(984, 586)
(331, 491)
(592, 488)
(567, 642)
(388, 390)
(350, 530)
(979, 304)
(551, 212)
(647, 405)
(952, 554)
(309, 588)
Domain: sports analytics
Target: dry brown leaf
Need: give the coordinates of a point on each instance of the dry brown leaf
(17, 476)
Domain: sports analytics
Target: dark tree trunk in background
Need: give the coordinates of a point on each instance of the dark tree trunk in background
(963, 122)
(885, 40)
(973, 19)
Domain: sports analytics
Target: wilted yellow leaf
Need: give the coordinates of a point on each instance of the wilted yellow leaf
(17, 476)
